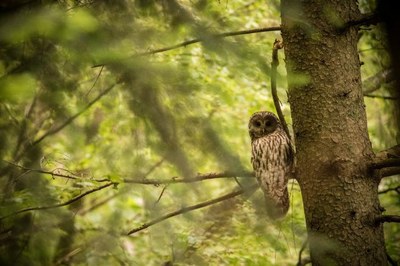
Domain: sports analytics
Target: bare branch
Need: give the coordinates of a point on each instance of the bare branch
(52, 173)
(69, 255)
(154, 167)
(198, 178)
(375, 82)
(304, 261)
(59, 204)
(143, 180)
(363, 20)
(275, 62)
(97, 204)
(197, 40)
(220, 35)
(191, 208)
(387, 219)
(390, 171)
(387, 162)
(397, 189)
(95, 81)
(300, 261)
(392, 152)
(380, 97)
(392, 162)
(161, 194)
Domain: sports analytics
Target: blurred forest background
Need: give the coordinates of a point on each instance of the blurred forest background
(106, 126)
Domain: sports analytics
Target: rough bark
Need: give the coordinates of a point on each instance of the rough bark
(332, 144)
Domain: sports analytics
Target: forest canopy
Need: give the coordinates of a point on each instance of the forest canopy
(124, 139)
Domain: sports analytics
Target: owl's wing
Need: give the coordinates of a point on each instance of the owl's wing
(289, 161)
(289, 154)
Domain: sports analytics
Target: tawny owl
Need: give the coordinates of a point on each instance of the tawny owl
(272, 159)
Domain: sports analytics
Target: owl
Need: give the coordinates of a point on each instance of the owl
(272, 160)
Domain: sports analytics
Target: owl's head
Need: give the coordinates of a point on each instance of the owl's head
(262, 123)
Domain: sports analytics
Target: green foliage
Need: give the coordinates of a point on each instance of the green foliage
(173, 113)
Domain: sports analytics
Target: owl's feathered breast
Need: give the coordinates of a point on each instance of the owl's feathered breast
(272, 153)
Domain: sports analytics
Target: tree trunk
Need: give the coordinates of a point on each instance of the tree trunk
(332, 144)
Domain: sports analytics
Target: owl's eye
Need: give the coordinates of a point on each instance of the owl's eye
(268, 123)
(257, 123)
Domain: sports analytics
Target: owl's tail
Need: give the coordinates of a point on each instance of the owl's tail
(277, 205)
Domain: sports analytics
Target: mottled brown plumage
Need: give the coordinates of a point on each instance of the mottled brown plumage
(272, 159)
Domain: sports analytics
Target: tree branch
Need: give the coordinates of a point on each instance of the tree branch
(97, 204)
(65, 259)
(220, 35)
(375, 82)
(390, 171)
(391, 162)
(52, 173)
(95, 81)
(387, 219)
(380, 97)
(274, 64)
(144, 180)
(363, 20)
(304, 261)
(193, 207)
(60, 204)
(387, 162)
(197, 40)
(200, 177)
(301, 261)
(392, 152)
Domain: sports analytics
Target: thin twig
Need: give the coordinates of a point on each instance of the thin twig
(95, 81)
(59, 204)
(380, 97)
(274, 64)
(191, 208)
(97, 204)
(303, 247)
(198, 178)
(388, 161)
(364, 20)
(144, 180)
(375, 82)
(220, 35)
(161, 194)
(68, 256)
(197, 40)
(41, 171)
(237, 182)
(154, 167)
(304, 261)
